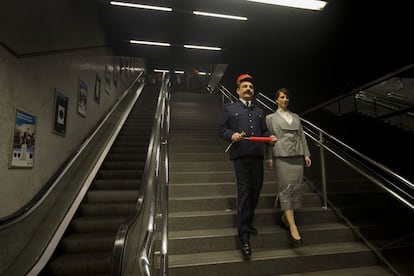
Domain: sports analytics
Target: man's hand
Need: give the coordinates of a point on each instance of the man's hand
(237, 136)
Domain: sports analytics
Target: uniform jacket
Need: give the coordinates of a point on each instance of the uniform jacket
(291, 141)
(237, 118)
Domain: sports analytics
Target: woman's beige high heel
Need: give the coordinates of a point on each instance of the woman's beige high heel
(293, 241)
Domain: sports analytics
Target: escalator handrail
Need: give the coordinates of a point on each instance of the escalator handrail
(76, 201)
(39, 198)
(138, 232)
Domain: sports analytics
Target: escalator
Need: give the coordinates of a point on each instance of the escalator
(87, 244)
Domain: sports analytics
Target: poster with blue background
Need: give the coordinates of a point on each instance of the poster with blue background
(23, 140)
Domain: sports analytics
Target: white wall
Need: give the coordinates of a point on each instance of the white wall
(29, 84)
(44, 46)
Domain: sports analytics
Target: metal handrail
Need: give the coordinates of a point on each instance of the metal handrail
(45, 192)
(351, 162)
(352, 158)
(360, 88)
(322, 138)
(146, 255)
(139, 232)
(164, 208)
(124, 104)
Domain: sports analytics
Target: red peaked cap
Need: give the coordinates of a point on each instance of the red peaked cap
(244, 77)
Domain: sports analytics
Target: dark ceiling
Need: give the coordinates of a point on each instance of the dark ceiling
(322, 53)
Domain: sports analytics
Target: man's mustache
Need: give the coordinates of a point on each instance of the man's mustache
(248, 92)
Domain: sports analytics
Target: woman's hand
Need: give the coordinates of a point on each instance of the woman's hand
(274, 139)
(269, 164)
(308, 161)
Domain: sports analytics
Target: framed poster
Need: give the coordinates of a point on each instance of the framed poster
(23, 142)
(97, 96)
(116, 75)
(121, 69)
(107, 79)
(82, 98)
(61, 107)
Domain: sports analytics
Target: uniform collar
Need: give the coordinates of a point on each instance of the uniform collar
(244, 102)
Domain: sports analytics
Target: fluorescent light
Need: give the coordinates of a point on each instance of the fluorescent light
(153, 43)
(179, 72)
(139, 6)
(220, 15)
(161, 71)
(202, 47)
(303, 4)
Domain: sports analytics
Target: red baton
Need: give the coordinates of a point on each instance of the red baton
(258, 139)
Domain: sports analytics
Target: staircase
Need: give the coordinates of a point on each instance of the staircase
(374, 138)
(202, 211)
(380, 218)
(86, 247)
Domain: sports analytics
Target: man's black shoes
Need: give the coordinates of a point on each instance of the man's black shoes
(245, 248)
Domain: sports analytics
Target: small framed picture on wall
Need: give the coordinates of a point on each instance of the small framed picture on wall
(116, 75)
(23, 140)
(97, 96)
(61, 107)
(108, 72)
(82, 98)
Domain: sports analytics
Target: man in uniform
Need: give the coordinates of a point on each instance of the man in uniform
(243, 119)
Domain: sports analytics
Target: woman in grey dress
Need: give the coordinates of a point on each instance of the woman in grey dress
(288, 157)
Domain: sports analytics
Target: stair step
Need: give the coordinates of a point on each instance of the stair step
(116, 184)
(111, 196)
(202, 211)
(120, 174)
(179, 156)
(357, 271)
(221, 239)
(88, 242)
(205, 189)
(201, 166)
(216, 188)
(116, 149)
(306, 258)
(178, 140)
(122, 165)
(97, 223)
(197, 148)
(193, 220)
(225, 202)
(126, 156)
(105, 209)
(211, 176)
(81, 264)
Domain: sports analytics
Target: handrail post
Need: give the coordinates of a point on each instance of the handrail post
(164, 201)
(323, 172)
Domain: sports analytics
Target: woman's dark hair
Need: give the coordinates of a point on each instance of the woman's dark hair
(282, 90)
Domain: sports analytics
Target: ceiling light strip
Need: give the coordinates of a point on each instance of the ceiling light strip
(202, 47)
(302, 4)
(220, 15)
(152, 43)
(161, 70)
(140, 6)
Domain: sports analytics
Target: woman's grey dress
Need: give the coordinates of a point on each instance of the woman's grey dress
(288, 158)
